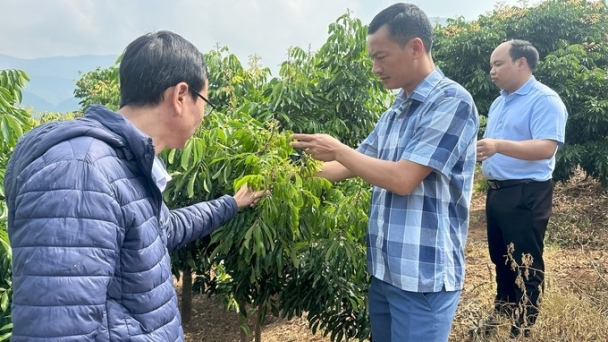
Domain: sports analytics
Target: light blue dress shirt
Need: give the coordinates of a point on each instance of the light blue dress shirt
(533, 112)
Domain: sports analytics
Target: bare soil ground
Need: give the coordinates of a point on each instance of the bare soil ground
(577, 277)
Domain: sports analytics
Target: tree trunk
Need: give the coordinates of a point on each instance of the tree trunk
(186, 295)
(242, 325)
(258, 328)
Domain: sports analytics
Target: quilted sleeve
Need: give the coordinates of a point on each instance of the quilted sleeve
(198, 220)
(63, 231)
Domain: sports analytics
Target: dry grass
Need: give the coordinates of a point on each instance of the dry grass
(580, 215)
(575, 302)
(574, 305)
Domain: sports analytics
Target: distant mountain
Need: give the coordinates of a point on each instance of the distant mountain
(53, 79)
(32, 100)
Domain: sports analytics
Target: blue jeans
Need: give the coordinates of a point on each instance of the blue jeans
(401, 316)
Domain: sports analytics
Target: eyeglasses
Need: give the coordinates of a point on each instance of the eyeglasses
(206, 100)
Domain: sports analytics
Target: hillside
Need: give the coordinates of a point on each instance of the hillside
(52, 79)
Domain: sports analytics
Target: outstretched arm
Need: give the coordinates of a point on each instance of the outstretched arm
(198, 220)
(441, 138)
(334, 172)
(400, 177)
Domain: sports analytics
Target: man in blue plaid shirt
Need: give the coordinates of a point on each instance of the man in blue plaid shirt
(420, 158)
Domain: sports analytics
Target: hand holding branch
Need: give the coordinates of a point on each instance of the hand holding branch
(245, 197)
(322, 147)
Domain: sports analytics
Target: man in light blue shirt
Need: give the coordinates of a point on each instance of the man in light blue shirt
(420, 158)
(526, 124)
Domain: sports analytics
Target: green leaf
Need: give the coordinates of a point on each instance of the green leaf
(171, 156)
(4, 302)
(5, 337)
(186, 155)
(190, 187)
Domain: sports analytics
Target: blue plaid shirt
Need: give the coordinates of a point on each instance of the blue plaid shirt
(416, 242)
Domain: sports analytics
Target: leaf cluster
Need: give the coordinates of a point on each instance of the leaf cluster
(13, 122)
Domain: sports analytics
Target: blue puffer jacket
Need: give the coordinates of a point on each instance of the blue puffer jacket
(91, 235)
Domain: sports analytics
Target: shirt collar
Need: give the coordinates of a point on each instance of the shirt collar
(523, 90)
(424, 88)
(160, 174)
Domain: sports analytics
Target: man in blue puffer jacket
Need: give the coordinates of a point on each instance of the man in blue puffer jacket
(90, 233)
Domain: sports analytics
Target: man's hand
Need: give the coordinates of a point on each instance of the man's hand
(245, 197)
(320, 146)
(486, 148)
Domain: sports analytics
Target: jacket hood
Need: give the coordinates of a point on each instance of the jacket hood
(99, 122)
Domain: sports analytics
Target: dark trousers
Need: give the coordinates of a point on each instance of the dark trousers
(519, 215)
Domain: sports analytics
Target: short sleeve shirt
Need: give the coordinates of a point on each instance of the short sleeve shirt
(416, 242)
(533, 112)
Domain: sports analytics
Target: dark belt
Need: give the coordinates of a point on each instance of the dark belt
(496, 184)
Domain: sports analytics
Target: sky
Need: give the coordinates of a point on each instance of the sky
(267, 28)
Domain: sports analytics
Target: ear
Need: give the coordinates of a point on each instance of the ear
(177, 96)
(417, 46)
(522, 62)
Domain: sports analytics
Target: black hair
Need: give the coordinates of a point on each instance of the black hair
(523, 48)
(156, 61)
(404, 21)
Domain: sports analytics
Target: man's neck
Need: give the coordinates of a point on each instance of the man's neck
(427, 66)
(523, 80)
(145, 119)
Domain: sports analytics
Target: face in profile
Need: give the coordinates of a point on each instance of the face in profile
(393, 63)
(189, 108)
(503, 70)
(200, 107)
